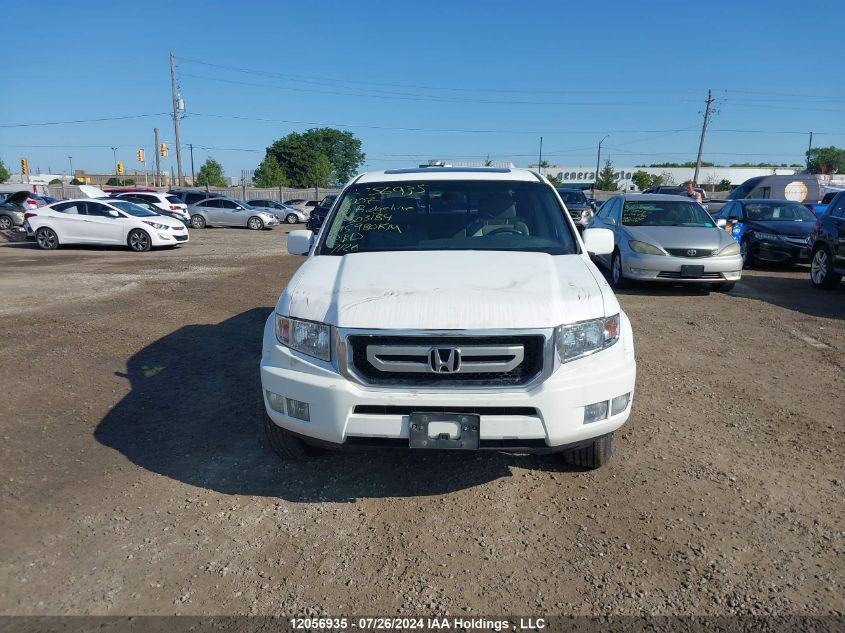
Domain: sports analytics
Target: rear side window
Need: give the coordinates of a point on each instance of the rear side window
(71, 208)
(837, 206)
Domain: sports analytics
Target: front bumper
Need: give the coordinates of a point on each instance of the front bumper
(668, 268)
(168, 237)
(546, 416)
(779, 252)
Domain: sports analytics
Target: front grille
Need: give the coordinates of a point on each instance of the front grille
(675, 275)
(532, 349)
(685, 252)
(795, 241)
(180, 238)
(379, 409)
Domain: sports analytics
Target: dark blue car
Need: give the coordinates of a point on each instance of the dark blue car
(769, 231)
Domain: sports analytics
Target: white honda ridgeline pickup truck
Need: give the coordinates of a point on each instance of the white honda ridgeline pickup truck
(448, 308)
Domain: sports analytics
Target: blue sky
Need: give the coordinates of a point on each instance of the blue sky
(474, 78)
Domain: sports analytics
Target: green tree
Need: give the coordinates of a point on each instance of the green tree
(644, 180)
(556, 182)
(115, 181)
(211, 174)
(607, 178)
(724, 185)
(270, 173)
(826, 160)
(4, 173)
(320, 172)
(297, 153)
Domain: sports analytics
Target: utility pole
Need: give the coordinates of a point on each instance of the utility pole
(809, 149)
(114, 152)
(540, 160)
(193, 175)
(70, 160)
(707, 112)
(157, 179)
(176, 116)
(598, 162)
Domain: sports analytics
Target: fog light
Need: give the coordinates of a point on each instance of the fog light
(298, 410)
(595, 412)
(276, 402)
(619, 403)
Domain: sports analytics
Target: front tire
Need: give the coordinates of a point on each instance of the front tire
(594, 455)
(5, 222)
(617, 278)
(197, 221)
(745, 253)
(821, 269)
(287, 445)
(255, 223)
(291, 218)
(139, 240)
(47, 239)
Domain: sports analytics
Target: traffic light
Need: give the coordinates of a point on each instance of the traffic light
(140, 156)
(119, 168)
(24, 167)
(162, 149)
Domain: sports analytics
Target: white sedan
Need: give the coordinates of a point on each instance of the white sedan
(103, 221)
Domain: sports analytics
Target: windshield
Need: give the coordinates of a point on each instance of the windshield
(131, 209)
(573, 197)
(740, 192)
(448, 215)
(669, 213)
(173, 199)
(785, 212)
(245, 205)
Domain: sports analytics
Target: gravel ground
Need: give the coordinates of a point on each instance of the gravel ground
(135, 479)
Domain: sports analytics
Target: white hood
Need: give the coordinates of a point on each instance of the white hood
(447, 290)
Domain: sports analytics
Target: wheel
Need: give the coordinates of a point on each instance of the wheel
(47, 239)
(139, 240)
(745, 253)
(197, 221)
(725, 286)
(5, 222)
(291, 218)
(617, 279)
(821, 269)
(592, 456)
(287, 445)
(255, 223)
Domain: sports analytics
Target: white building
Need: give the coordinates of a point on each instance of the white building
(671, 175)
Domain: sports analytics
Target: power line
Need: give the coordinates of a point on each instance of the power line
(97, 120)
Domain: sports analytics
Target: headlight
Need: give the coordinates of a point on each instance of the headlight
(587, 337)
(730, 249)
(307, 337)
(156, 225)
(644, 248)
(771, 237)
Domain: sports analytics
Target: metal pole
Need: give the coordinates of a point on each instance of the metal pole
(193, 175)
(809, 149)
(157, 179)
(70, 160)
(540, 161)
(598, 162)
(176, 117)
(114, 153)
(703, 132)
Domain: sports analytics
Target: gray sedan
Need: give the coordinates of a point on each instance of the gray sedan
(283, 212)
(667, 238)
(228, 212)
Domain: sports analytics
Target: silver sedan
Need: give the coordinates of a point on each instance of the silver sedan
(667, 238)
(228, 212)
(283, 212)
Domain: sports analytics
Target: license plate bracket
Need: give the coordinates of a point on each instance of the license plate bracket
(450, 431)
(692, 271)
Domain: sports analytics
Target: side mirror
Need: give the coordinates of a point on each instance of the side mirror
(299, 242)
(721, 223)
(598, 241)
(113, 213)
(611, 221)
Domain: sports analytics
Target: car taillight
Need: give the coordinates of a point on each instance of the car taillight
(173, 207)
(32, 202)
(26, 216)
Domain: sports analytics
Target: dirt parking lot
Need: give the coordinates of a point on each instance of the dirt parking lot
(135, 479)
